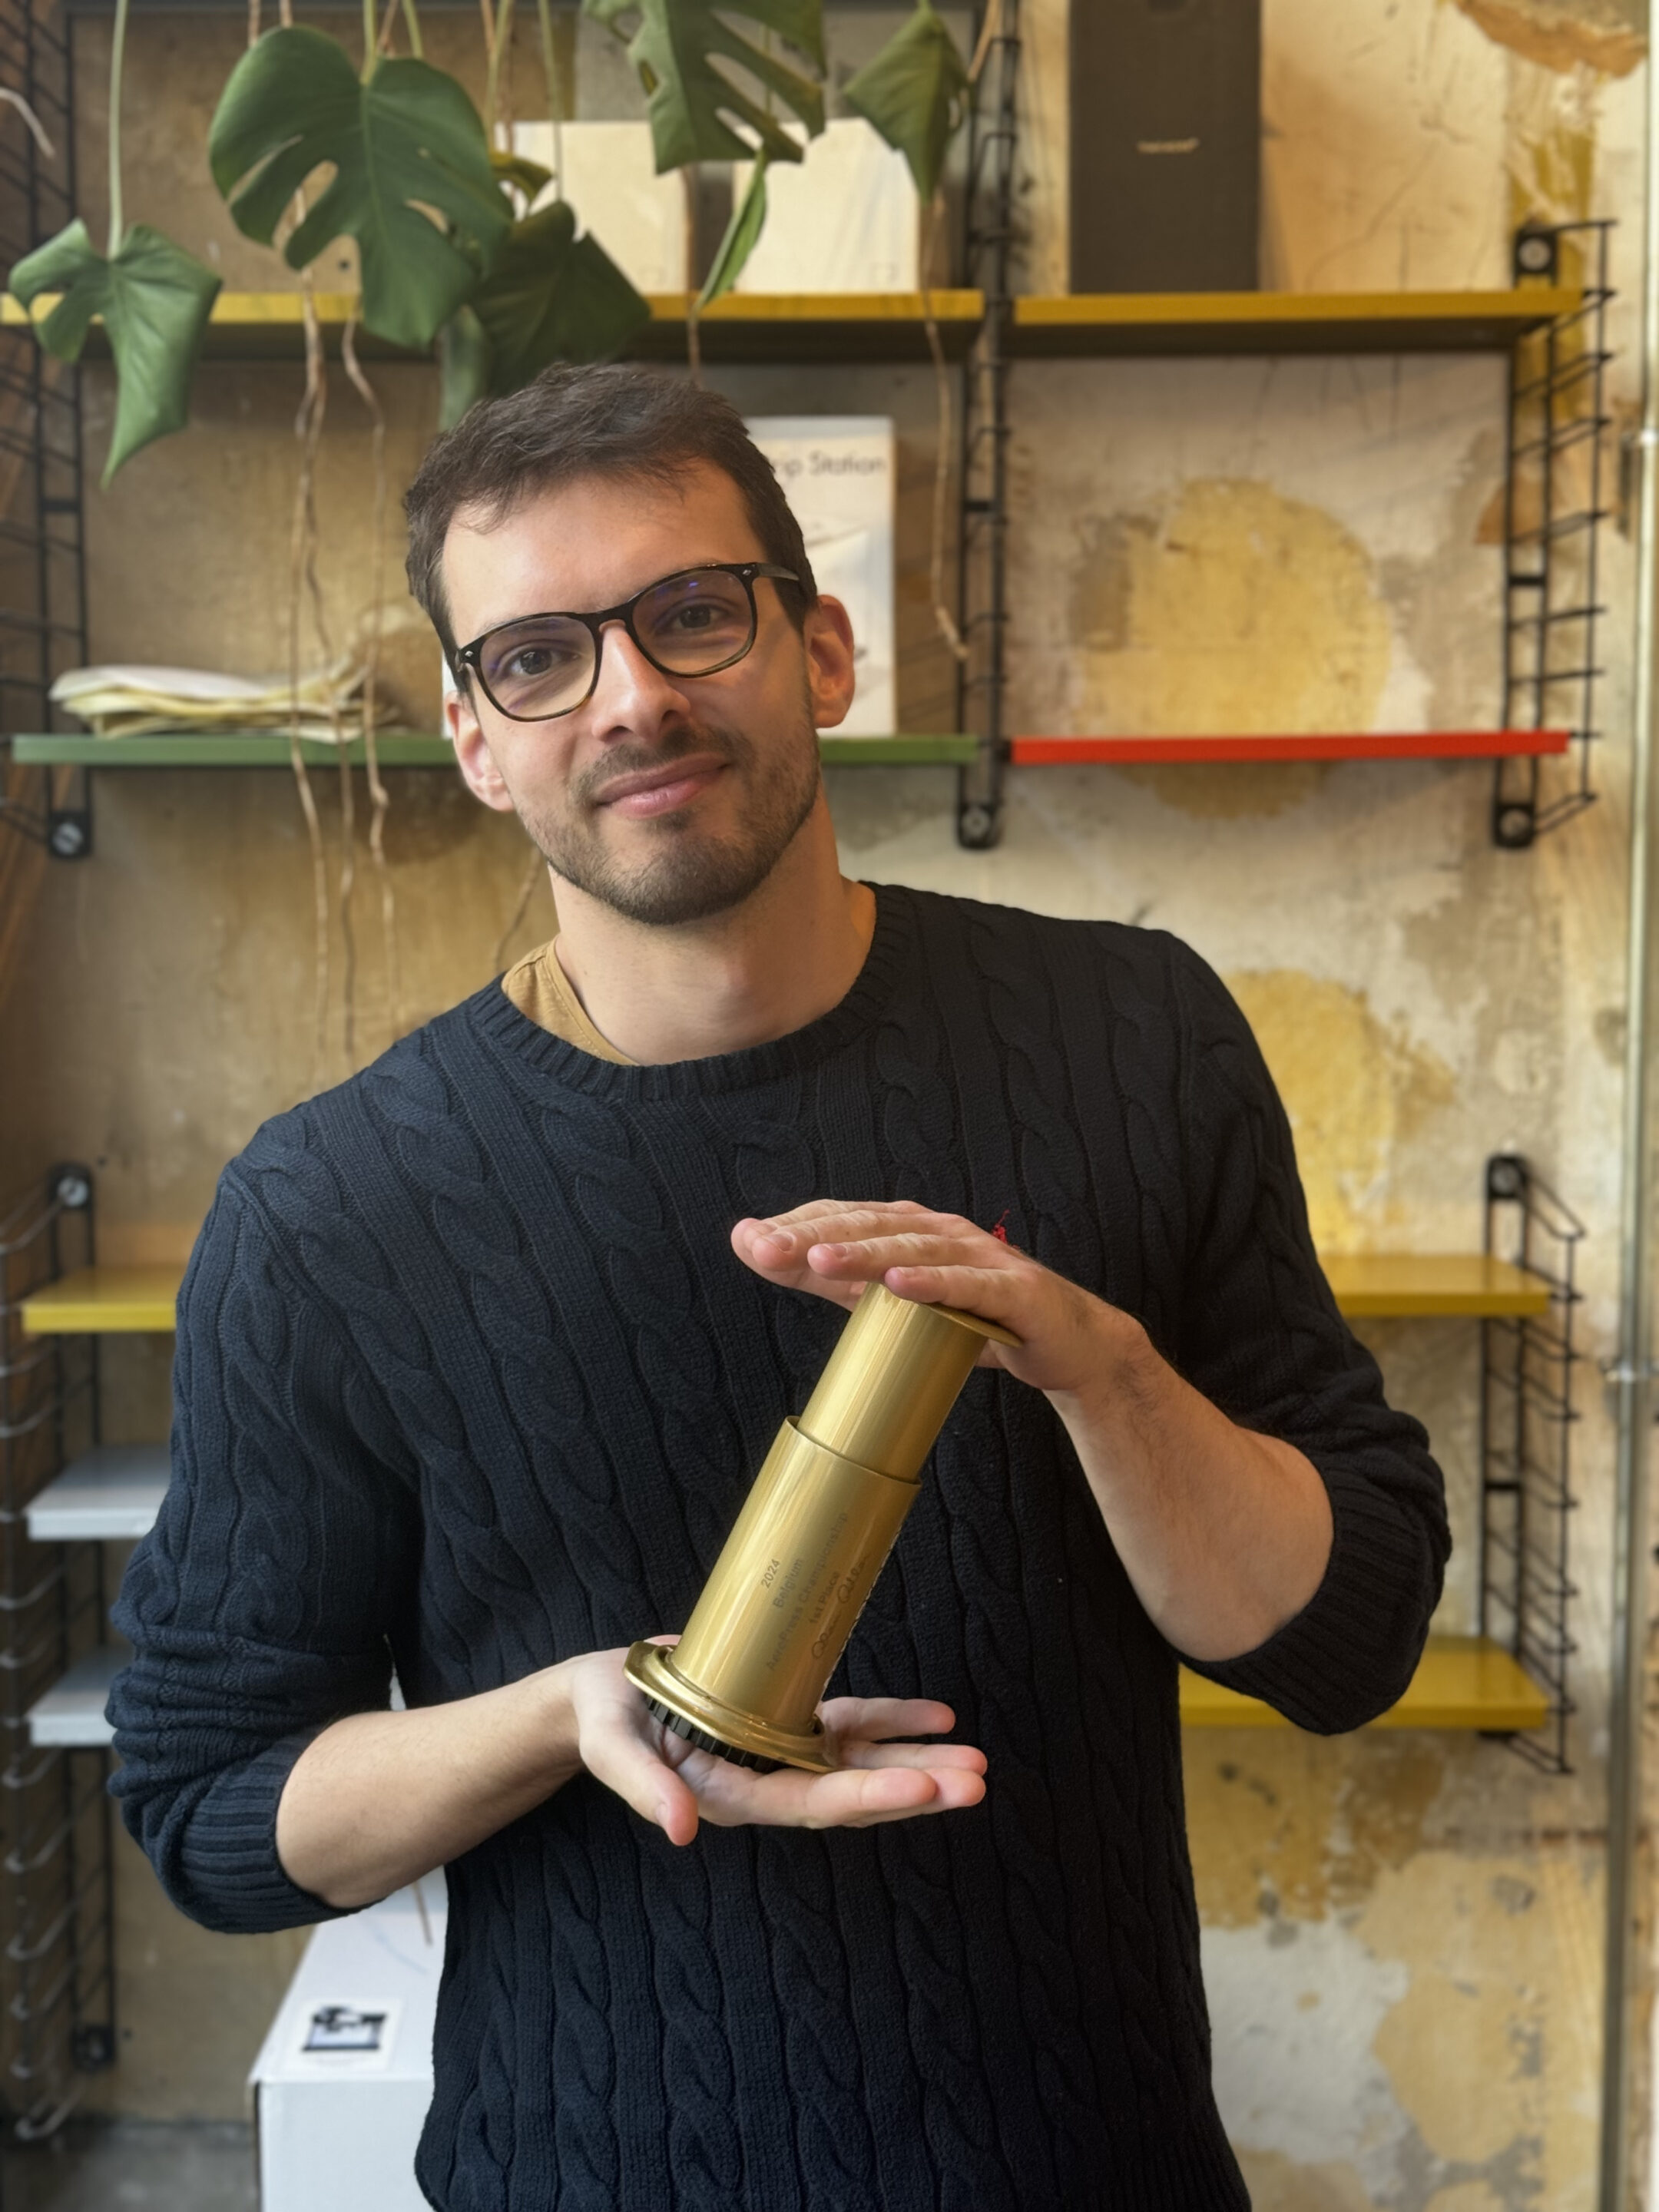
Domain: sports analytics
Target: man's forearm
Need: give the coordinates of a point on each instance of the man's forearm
(380, 1799)
(1224, 1533)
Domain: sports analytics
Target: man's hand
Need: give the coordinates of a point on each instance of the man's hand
(1069, 1341)
(879, 1776)
(378, 1799)
(1224, 1533)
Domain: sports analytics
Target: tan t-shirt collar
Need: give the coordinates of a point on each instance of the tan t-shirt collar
(541, 991)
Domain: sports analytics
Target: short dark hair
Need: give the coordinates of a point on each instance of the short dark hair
(616, 420)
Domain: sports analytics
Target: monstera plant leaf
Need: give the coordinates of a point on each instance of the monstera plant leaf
(405, 146)
(517, 170)
(550, 295)
(742, 235)
(462, 366)
(915, 93)
(155, 298)
(677, 47)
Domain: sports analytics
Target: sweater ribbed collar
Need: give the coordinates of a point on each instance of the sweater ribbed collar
(502, 1029)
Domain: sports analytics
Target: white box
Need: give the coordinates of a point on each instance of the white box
(338, 2126)
(844, 219)
(608, 176)
(838, 473)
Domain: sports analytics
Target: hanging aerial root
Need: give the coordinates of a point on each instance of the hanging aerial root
(380, 797)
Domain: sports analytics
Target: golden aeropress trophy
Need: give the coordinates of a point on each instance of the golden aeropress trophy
(826, 1510)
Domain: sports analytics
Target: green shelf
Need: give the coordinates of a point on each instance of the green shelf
(217, 749)
(897, 752)
(234, 749)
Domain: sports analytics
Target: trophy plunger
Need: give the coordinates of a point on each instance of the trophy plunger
(814, 1531)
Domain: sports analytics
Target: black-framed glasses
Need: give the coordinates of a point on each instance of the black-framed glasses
(694, 622)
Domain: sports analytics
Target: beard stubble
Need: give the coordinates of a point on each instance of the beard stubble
(688, 876)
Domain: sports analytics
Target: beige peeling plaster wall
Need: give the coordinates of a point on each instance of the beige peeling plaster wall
(1401, 1932)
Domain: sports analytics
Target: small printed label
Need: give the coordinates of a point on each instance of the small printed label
(347, 2037)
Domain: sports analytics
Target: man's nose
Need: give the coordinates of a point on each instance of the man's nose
(630, 688)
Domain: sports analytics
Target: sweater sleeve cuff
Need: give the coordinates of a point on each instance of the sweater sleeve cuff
(1351, 1652)
(218, 1860)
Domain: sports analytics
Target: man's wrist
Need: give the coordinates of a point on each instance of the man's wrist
(558, 1730)
(1119, 1369)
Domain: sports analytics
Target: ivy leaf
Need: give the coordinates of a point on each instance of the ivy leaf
(550, 295)
(915, 93)
(155, 298)
(408, 141)
(676, 48)
(742, 236)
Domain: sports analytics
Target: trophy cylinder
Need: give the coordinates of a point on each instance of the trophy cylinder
(814, 1531)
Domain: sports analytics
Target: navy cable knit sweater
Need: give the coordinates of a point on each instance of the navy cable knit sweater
(469, 1379)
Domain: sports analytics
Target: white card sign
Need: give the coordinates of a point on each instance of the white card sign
(837, 473)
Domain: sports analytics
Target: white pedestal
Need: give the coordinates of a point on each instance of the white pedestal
(338, 2125)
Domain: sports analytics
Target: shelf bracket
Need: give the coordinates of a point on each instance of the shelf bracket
(63, 824)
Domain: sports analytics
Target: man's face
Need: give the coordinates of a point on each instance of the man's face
(667, 797)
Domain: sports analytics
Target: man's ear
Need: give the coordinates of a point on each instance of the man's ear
(473, 754)
(828, 636)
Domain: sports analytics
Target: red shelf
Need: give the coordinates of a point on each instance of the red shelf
(1412, 744)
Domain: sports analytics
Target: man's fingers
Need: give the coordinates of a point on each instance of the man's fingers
(861, 1798)
(934, 1758)
(829, 1220)
(871, 1258)
(877, 1719)
(998, 1296)
(627, 1764)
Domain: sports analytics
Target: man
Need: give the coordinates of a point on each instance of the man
(479, 1353)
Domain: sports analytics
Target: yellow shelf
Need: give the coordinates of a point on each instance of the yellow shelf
(1369, 1285)
(1401, 1285)
(1461, 1682)
(845, 326)
(1157, 323)
(742, 327)
(105, 1301)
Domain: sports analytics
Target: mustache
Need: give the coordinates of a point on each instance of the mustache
(679, 745)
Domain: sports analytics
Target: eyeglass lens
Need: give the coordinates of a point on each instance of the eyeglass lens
(689, 625)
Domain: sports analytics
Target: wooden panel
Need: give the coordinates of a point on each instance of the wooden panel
(1403, 1284)
(1461, 1682)
(105, 1301)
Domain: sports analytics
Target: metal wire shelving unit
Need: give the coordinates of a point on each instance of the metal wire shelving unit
(42, 558)
(56, 1918)
(1527, 1416)
(982, 529)
(56, 1905)
(1553, 513)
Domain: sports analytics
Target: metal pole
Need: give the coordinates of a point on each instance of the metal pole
(1632, 1377)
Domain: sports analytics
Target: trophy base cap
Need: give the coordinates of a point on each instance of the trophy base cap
(703, 1720)
(704, 1742)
